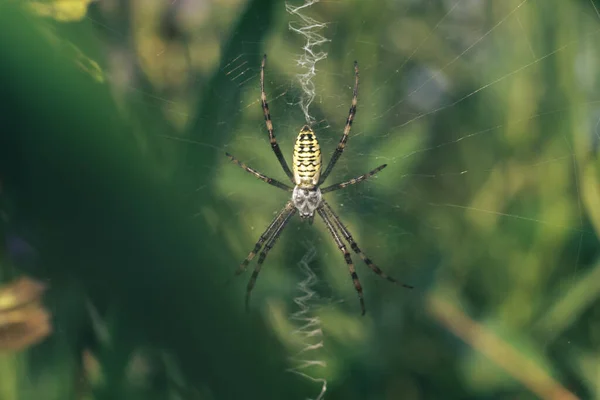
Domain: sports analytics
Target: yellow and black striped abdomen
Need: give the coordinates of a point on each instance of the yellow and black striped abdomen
(307, 159)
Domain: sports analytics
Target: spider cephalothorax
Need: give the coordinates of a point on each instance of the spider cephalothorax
(306, 201)
(307, 194)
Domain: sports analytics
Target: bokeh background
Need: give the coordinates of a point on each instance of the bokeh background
(116, 194)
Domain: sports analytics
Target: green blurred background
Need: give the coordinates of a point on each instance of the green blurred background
(115, 117)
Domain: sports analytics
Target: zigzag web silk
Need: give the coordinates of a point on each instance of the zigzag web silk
(309, 331)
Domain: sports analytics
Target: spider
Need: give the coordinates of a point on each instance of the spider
(307, 195)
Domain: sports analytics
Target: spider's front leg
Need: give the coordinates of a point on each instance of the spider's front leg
(269, 123)
(262, 177)
(342, 144)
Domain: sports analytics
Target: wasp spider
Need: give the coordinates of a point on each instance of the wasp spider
(307, 198)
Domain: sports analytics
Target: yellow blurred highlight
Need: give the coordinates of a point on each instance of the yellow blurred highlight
(505, 356)
(61, 10)
(591, 193)
(23, 319)
(91, 67)
(568, 308)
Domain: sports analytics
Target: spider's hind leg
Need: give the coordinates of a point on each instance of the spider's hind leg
(287, 213)
(266, 235)
(340, 244)
(357, 249)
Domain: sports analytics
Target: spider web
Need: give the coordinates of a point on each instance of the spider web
(310, 328)
(484, 205)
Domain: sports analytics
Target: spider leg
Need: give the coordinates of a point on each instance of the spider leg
(269, 123)
(260, 176)
(340, 244)
(357, 250)
(340, 147)
(290, 211)
(265, 235)
(353, 181)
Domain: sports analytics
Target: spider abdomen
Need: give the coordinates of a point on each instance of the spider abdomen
(307, 159)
